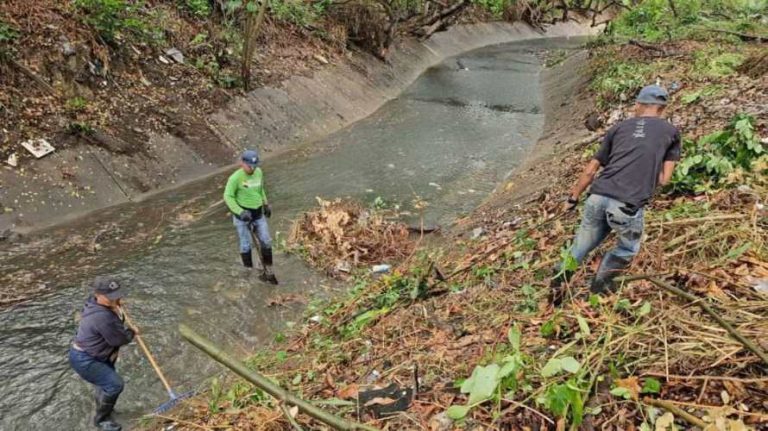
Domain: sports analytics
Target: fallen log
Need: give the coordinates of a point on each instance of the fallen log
(743, 36)
(267, 385)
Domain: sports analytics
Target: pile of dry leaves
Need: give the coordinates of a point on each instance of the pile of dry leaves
(342, 235)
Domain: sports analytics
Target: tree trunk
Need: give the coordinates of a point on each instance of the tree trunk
(250, 32)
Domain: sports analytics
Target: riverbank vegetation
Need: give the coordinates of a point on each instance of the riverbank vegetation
(465, 329)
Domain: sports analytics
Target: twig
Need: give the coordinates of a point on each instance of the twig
(290, 418)
(723, 217)
(711, 378)
(666, 405)
(530, 409)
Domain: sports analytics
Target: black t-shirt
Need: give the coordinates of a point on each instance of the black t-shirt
(632, 155)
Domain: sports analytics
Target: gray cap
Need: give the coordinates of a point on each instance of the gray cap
(108, 287)
(653, 95)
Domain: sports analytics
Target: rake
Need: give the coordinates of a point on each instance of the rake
(174, 398)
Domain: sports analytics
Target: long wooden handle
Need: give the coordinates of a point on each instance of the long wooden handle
(148, 354)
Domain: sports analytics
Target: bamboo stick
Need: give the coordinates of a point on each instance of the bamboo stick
(267, 385)
(675, 410)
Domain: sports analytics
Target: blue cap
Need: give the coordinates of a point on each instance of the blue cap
(653, 95)
(250, 157)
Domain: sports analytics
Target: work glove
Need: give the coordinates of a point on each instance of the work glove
(246, 216)
(267, 211)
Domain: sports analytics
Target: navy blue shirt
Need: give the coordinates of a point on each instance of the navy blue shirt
(632, 155)
(101, 331)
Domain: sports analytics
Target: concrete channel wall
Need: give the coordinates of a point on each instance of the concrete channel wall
(77, 180)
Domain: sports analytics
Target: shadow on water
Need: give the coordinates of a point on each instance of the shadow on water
(449, 139)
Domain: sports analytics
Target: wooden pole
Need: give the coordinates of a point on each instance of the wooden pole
(149, 356)
(267, 385)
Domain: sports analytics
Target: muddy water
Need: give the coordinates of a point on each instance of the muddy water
(448, 140)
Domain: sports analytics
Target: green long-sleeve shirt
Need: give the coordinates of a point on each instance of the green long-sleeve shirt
(245, 191)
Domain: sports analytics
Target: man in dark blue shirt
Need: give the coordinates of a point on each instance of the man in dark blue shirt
(101, 333)
(636, 156)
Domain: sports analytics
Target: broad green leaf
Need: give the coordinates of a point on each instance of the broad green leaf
(570, 364)
(583, 326)
(457, 412)
(644, 309)
(482, 384)
(651, 386)
(594, 300)
(510, 366)
(621, 392)
(552, 367)
(514, 338)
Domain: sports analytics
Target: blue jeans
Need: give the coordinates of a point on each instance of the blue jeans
(99, 373)
(244, 234)
(601, 216)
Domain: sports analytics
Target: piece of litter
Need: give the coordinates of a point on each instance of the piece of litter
(164, 60)
(477, 232)
(369, 190)
(13, 160)
(760, 285)
(175, 54)
(380, 269)
(391, 166)
(435, 185)
(316, 319)
(321, 59)
(38, 147)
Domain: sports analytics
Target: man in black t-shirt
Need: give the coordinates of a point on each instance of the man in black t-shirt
(636, 155)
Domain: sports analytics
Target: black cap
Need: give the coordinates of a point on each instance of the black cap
(108, 287)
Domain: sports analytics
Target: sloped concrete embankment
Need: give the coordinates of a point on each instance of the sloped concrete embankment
(85, 178)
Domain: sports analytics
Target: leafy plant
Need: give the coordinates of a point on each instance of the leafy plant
(713, 63)
(7, 33)
(111, 18)
(77, 103)
(565, 400)
(490, 381)
(198, 8)
(710, 161)
(615, 79)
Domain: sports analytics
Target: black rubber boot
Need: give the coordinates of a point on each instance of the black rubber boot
(556, 289)
(247, 259)
(266, 255)
(610, 268)
(104, 407)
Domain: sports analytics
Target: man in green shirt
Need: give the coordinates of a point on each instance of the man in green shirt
(246, 198)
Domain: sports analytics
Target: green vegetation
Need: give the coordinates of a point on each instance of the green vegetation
(7, 33)
(659, 20)
(197, 8)
(112, 18)
(721, 158)
(77, 103)
(615, 81)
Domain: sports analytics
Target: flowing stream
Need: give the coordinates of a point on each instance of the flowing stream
(449, 140)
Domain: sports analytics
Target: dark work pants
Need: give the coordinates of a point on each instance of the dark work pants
(99, 373)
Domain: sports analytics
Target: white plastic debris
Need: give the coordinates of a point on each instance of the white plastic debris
(477, 232)
(175, 54)
(381, 268)
(13, 160)
(164, 60)
(316, 319)
(38, 147)
(435, 185)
